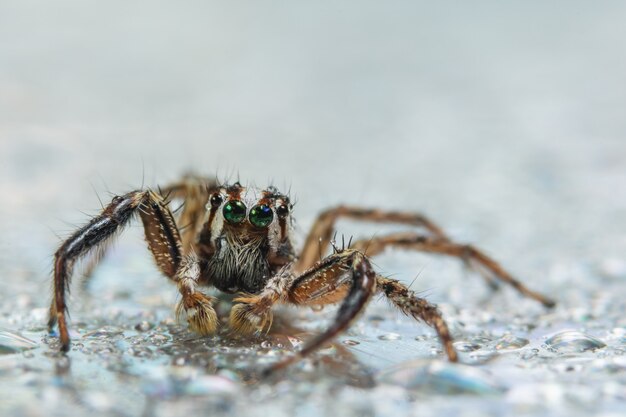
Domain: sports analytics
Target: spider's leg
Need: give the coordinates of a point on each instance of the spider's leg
(194, 191)
(165, 243)
(93, 235)
(180, 189)
(346, 276)
(94, 259)
(469, 253)
(160, 230)
(322, 230)
(419, 309)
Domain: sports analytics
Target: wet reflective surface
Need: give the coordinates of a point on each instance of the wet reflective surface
(505, 124)
(130, 357)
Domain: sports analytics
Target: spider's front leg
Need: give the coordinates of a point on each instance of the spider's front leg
(163, 241)
(347, 277)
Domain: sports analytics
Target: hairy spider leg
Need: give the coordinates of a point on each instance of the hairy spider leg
(418, 308)
(345, 276)
(322, 231)
(194, 190)
(163, 241)
(421, 243)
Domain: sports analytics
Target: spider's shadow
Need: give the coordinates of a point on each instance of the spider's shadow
(250, 356)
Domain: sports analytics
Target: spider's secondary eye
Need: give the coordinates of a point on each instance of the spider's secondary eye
(216, 200)
(282, 211)
(261, 215)
(234, 211)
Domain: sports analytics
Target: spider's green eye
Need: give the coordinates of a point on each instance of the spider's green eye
(234, 211)
(261, 215)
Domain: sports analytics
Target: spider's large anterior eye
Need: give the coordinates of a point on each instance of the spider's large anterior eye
(261, 215)
(234, 211)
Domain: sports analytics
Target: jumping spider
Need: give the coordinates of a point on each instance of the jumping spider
(238, 240)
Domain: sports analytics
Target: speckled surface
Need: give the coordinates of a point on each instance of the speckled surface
(503, 123)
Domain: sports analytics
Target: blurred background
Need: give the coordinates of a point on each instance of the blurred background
(503, 122)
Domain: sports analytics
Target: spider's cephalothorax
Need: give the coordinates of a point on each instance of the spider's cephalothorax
(245, 239)
(237, 239)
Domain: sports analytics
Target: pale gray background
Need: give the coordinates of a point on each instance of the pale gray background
(504, 122)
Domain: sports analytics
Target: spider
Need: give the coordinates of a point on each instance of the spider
(238, 240)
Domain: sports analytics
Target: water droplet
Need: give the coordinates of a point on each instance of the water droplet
(105, 332)
(11, 342)
(482, 355)
(570, 341)
(465, 346)
(529, 354)
(144, 326)
(390, 336)
(141, 352)
(350, 342)
(510, 342)
(158, 339)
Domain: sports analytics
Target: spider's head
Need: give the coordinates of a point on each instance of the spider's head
(250, 213)
(246, 236)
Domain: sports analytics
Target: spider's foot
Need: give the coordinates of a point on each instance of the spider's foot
(248, 318)
(199, 312)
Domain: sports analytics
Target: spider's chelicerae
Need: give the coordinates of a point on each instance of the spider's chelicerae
(238, 240)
